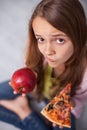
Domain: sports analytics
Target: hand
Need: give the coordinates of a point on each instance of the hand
(73, 104)
(23, 94)
(54, 125)
(14, 92)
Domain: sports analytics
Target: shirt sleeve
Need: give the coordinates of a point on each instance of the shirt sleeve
(81, 97)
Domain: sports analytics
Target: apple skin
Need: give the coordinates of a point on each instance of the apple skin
(23, 80)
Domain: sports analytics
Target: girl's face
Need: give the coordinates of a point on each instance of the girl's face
(54, 44)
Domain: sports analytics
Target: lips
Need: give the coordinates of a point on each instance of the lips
(50, 60)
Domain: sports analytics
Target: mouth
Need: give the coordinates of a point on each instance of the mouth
(50, 60)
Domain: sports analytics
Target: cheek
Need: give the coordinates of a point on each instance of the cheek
(41, 49)
(65, 53)
(69, 53)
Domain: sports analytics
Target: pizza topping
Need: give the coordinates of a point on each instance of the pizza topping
(60, 103)
(61, 98)
(50, 106)
(68, 93)
(60, 117)
(59, 108)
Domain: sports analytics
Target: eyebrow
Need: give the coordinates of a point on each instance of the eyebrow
(53, 35)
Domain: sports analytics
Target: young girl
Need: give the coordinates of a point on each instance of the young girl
(57, 52)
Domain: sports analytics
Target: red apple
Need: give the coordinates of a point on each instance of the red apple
(23, 80)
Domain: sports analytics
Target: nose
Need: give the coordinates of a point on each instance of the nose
(49, 49)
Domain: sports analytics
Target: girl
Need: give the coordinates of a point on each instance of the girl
(57, 53)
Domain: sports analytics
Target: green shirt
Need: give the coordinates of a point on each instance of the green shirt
(49, 83)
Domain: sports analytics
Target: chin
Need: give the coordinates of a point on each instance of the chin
(53, 65)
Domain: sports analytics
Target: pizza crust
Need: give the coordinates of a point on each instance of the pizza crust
(53, 121)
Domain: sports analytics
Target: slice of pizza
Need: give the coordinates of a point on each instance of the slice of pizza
(58, 110)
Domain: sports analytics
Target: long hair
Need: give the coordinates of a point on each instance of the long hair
(67, 16)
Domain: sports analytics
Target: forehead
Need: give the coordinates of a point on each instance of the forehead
(43, 27)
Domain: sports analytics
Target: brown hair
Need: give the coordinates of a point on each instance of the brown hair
(69, 17)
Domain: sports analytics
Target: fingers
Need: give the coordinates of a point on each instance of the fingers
(14, 92)
(61, 127)
(54, 125)
(9, 83)
(72, 104)
(23, 94)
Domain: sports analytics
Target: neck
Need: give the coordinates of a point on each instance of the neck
(59, 70)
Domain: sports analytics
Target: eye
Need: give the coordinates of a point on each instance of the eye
(60, 40)
(40, 40)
